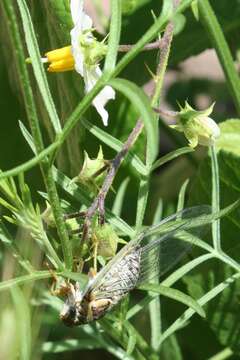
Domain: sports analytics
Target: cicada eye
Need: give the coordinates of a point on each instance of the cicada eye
(68, 315)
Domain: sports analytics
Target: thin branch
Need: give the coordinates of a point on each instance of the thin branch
(98, 203)
(148, 47)
(164, 112)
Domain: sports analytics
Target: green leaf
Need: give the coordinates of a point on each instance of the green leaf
(229, 140)
(27, 136)
(120, 196)
(181, 196)
(131, 340)
(141, 203)
(56, 347)
(170, 156)
(216, 235)
(114, 36)
(175, 295)
(23, 320)
(37, 275)
(38, 69)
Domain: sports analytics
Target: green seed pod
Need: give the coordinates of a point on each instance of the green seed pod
(87, 176)
(106, 240)
(197, 126)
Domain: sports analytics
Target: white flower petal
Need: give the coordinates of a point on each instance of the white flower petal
(82, 22)
(80, 19)
(77, 51)
(76, 7)
(211, 127)
(91, 76)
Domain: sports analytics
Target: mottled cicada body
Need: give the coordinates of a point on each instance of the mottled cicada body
(147, 257)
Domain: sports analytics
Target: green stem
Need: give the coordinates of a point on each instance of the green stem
(141, 203)
(35, 129)
(162, 66)
(37, 65)
(215, 199)
(114, 36)
(224, 354)
(213, 28)
(23, 74)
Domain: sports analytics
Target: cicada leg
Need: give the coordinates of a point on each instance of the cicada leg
(92, 273)
(53, 287)
(60, 290)
(95, 252)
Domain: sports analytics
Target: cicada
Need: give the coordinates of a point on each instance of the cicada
(144, 258)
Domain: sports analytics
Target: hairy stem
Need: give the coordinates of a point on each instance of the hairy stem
(98, 203)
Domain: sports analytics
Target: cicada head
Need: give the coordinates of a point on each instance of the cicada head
(72, 313)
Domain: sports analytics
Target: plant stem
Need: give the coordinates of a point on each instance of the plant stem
(213, 29)
(98, 203)
(215, 199)
(114, 36)
(164, 48)
(224, 354)
(148, 47)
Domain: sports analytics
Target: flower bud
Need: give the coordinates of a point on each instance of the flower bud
(90, 166)
(106, 240)
(47, 216)
(93, 50)
(197, 126)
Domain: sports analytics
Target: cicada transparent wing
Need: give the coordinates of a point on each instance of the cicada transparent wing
(161, 253)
